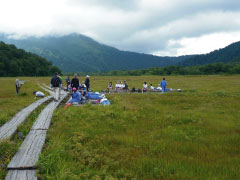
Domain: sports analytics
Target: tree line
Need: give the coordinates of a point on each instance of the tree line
(17, 62)
(210, 69)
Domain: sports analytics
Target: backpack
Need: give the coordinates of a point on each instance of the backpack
(56, 82)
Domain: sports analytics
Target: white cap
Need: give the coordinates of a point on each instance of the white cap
(87, 76)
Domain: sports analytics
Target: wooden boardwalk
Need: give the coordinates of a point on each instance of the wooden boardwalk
(27, 155)
(21, 175)
(23, 164)
(10, 127)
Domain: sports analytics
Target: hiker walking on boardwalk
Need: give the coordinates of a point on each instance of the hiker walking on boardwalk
(56, 84)
(75, 82)
(87, 82)
(163, 84)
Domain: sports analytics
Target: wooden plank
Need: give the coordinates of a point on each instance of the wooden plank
(44, 119)
(46, 86)
(21, 175)
(9, 128)
(28, 154)
(47, 90)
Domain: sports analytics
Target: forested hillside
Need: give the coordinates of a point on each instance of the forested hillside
(228, 54)
(17, 62)
(78, 53)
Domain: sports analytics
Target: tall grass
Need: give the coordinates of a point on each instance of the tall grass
(190, 135)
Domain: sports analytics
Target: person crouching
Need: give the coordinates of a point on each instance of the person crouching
(76, 98)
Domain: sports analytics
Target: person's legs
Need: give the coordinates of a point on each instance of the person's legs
(59, 93)
(56, 93)
(163, 89)
(17, 90)
(67, 105)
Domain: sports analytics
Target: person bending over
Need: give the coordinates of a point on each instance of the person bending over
(76, 98)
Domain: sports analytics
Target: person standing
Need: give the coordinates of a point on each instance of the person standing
(87, 82)
(163, 84)
(75, 82)
(56, 84)
(68, 82)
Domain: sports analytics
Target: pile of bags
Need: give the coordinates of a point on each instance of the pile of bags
(97, 98)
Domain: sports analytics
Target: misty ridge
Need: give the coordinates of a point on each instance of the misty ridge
(79, 53)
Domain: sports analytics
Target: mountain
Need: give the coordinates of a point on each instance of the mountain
(229, 54)
(78, 53)
(17, 62)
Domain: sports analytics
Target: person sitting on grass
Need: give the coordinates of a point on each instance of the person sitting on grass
(76, 98)
(163, 84)
(152, 88)
(145, 87)
(110, 87)
(125, 86)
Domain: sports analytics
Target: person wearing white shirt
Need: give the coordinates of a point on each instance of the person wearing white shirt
(145, 87)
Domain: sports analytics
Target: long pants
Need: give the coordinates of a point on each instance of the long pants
(163, 89)
(57, 91)
(87, 86)
(17, 89)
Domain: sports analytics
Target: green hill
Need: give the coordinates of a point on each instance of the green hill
(75, 53)
(17, 62)
(79, 53)
(228, 54)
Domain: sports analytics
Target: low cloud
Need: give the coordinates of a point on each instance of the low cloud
(163, 27)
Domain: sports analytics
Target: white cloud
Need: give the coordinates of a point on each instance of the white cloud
(152, 26)
(200, 45)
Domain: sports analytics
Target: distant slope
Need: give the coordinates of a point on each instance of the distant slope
(17, 62)
(75, 53)
(229, 54)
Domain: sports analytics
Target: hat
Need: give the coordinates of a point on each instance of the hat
(56, 73)
(75, 74)
(87, 76)
(74, 89)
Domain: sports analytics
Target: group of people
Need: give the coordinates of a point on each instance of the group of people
(124, 86)
(162, 86)
(118, 86)
(73, 85)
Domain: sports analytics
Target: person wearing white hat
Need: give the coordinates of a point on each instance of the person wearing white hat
(87, 82)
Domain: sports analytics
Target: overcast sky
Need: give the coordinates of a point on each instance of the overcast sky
(161, 27)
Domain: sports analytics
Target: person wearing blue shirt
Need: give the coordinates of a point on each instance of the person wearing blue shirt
(163, 84)
(76, 97)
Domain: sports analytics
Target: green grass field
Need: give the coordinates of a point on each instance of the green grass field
(190, 135)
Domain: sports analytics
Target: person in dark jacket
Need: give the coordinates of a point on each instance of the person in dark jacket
(75, 82)
(56, 84)
(87, 82)
(68, 82)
